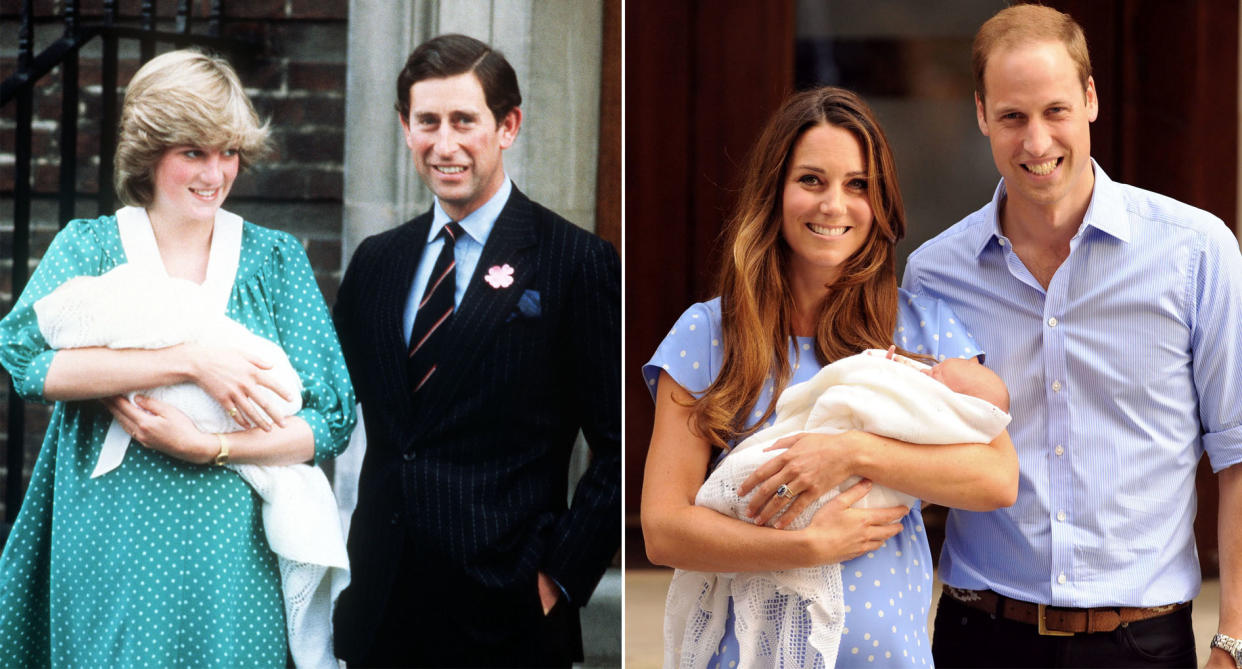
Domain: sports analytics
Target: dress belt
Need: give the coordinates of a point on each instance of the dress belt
(1058, 620)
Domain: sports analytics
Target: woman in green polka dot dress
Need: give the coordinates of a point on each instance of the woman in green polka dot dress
(164, 561)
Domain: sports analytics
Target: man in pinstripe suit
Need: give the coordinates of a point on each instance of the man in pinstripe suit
(464, 550)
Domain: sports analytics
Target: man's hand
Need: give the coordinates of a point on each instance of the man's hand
(549, 593)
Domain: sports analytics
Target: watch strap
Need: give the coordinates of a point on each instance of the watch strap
(222, 458)
(1229, 645)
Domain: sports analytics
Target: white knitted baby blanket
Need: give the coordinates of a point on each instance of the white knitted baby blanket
(137, 305)
(794, 617)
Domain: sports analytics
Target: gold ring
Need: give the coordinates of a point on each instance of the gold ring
(233, 412)
(785, 492)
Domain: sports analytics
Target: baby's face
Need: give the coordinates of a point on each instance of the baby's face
(956, 373)
(969, 377)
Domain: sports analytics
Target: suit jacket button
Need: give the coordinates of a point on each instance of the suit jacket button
(409, 455)
(396, 519)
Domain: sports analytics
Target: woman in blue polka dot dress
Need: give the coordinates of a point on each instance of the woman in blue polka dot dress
(164, 561)
(809, 277)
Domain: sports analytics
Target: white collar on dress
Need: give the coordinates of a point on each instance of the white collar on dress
(138, 239)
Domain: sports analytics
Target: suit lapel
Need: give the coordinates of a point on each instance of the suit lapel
(405, 255)
(484, 307)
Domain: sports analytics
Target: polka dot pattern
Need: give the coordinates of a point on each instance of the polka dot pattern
(158, 563)
(888, 591)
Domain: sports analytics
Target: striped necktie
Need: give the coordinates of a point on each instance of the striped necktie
(435, 312)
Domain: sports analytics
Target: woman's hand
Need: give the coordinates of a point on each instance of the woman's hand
(811, 465)
(159, 426)
(842, 533)
(233, 379)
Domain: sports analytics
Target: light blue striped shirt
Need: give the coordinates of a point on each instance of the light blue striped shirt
(466, 251)
(1121, 375)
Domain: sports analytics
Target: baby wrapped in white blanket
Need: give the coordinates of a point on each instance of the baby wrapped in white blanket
(772, 610)
(133, 307)
(130, 307)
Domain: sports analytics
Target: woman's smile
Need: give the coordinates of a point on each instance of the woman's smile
(828, 231)
(825, 204)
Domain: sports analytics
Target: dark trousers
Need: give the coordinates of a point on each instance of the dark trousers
(427, 624)
(966, 637)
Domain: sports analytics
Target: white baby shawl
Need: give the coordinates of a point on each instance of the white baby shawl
(137, 305)
(793, 618)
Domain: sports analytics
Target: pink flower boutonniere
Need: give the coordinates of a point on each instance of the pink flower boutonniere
(499, 276)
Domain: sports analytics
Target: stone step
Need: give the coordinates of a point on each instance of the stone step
(601, 623)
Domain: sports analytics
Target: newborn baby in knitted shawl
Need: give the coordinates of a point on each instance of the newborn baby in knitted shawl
(875, 392)
(134, 307)
(130, 307)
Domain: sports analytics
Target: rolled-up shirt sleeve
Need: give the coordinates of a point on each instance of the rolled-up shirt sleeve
(1216, 340)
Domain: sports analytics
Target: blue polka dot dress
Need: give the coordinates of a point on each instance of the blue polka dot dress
(160, 562)
(887, 592)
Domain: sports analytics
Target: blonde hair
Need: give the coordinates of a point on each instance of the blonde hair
(757, 308)
(182, 98)
(1027, 24)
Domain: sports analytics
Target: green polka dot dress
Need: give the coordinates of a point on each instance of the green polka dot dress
(160, 562)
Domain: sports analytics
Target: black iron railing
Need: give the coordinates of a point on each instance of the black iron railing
(19, 88)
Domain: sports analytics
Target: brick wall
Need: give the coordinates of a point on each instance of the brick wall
(296, 78)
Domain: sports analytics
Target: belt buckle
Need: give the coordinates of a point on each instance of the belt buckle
(1043, 624)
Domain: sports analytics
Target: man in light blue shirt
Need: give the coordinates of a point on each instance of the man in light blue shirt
(1115, 317)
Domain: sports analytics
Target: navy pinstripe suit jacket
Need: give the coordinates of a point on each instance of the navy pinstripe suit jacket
(476, 469)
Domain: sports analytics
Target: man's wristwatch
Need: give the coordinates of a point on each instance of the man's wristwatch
(1229, 645)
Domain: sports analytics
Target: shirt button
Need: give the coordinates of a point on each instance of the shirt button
(1061, 579)
(1001, 241)
(1060, 450)
(1056, 386)
(409, 455)
(1061, 516)
(1052, 322)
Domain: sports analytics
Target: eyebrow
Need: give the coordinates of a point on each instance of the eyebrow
(1003, 108)
(452, 112)
(812, 168)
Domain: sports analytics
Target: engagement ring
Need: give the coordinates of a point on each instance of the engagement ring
(785, 492)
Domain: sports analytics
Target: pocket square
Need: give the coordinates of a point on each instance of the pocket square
(527, 306)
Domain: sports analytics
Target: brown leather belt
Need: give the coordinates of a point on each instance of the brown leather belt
(1057, 620)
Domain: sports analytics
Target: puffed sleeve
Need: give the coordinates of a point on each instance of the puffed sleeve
(928, 326)
(310, 341)
(75, 251)
(691, 352)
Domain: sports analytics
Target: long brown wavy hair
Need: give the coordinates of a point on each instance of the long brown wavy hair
(757, 307)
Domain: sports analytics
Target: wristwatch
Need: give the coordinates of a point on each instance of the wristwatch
(1229, 645)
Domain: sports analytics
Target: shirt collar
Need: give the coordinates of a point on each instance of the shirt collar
(478, 224)
(1106, 212)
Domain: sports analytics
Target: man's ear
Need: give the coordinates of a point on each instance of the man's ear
(981, 115)
(509, 126)
(405, 130)
(1093, 101)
